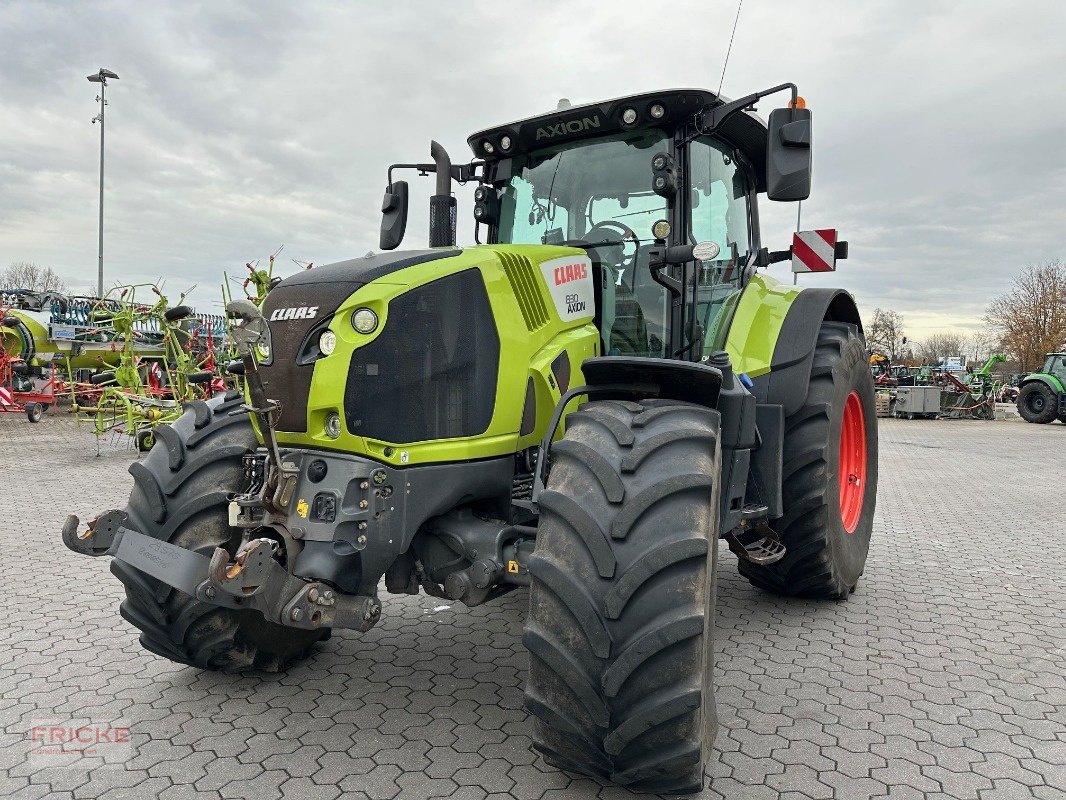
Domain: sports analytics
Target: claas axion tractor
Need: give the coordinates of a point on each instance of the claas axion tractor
(584, 404)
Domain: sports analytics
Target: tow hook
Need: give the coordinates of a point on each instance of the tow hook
(248, 571)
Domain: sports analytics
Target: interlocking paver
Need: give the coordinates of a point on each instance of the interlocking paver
(943, 676)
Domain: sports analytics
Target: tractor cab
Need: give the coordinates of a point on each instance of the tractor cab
(1055, 365)
(599, 195)
(636, 182)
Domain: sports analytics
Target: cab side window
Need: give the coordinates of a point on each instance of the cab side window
(719, 199)
(719, 206)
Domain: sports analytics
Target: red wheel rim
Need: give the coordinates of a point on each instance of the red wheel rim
(852, 462)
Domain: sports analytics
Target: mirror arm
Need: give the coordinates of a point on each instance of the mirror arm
(459, 172)
(423, 169)
(708, 121)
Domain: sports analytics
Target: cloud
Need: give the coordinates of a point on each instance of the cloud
(239, 127)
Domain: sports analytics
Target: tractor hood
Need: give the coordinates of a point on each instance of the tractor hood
(300, 307)
(361, 271)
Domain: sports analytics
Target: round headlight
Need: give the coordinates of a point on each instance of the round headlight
(480, 193)
(327, 342)
(364, 320)
(505, 142)
(629, 116)
(661, 229)
(657, 111)
(333, 425)
(487, 147)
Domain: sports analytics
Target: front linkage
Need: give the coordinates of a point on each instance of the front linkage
(252, 580)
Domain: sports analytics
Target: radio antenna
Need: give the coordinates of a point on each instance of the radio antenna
(729, 49)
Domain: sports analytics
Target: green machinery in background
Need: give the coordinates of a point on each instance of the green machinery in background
(1042, 395)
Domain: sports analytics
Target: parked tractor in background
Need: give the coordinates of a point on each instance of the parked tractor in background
(584, 404)
(1042, 395)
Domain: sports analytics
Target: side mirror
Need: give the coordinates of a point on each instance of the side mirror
(788, 154)
(393, 216)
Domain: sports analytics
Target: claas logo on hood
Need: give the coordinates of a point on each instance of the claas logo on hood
(297, 312)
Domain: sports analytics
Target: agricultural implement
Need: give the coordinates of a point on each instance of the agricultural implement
(584, 405)
(959, 401)
(1042, 395)
(156, 370)
(24, 388)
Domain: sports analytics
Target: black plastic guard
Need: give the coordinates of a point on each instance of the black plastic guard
(676, 380)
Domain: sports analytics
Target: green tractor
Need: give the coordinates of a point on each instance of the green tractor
(584, 405)
(1042, 396)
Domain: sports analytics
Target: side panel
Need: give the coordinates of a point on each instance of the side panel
(773, 334)
(756, 324)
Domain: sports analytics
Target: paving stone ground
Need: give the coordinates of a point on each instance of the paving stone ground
(943, 676)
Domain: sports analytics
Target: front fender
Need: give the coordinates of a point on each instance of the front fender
(773, 334)
(1050, 381)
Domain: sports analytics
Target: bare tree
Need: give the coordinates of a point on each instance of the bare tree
(27, 275)
(885, 334)
(1032, 315)
(940, 346)
(979, 346)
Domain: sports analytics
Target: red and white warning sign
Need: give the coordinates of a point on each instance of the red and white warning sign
(814, 251)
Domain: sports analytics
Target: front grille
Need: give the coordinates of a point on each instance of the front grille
(525, 283)
(431, 372)
(287, 378)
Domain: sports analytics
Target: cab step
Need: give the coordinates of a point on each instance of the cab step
(753, 540)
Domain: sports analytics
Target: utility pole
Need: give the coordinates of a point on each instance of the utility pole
(101, 78)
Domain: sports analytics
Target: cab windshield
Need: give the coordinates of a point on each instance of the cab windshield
(599, 192)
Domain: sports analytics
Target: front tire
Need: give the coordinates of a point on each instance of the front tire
(1037, 403)
(829, 484)
(180, 495)
(622, 596)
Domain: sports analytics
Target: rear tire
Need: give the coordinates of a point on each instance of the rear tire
(825, 559)
(180, 495)
(1037, 403)
(622, 596)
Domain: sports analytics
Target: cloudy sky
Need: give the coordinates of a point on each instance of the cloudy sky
(238, 127)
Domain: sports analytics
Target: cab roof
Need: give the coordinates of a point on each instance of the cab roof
(745, 130)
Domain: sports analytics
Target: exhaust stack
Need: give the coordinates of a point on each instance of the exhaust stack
(442, 204)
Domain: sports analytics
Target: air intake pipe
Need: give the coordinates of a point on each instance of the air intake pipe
(442, 204)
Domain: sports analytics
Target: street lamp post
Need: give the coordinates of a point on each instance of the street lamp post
(101, 78)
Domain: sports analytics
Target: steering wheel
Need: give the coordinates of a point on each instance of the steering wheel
(615, 234)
